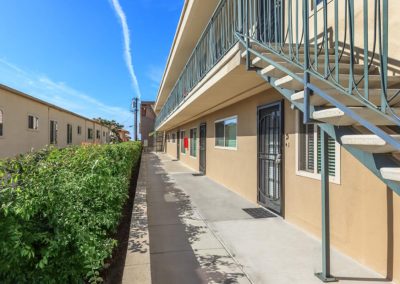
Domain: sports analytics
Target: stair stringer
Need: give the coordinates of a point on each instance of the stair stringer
(372, 161)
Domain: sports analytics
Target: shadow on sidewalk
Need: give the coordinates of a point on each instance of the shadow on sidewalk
(182, 249)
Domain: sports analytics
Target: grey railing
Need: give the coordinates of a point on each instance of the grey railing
(217, 39)
(321, 38)
(326, 41)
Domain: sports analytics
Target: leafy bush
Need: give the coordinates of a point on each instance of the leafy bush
(58, 209)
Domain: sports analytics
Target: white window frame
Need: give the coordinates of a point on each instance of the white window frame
(55, 122)
(173, 138)
(315, 174)
(215, 138)
(72, 134)
(190, 143)
(35, 122)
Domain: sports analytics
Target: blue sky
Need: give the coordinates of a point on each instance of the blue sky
(73, 52)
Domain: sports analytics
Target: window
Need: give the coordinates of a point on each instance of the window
(98, 134)
(309, 152)
(168, 140)
(1, 123)
(183, 150)
(193, 142)
(33, 122)
(79, 130)
(173, 137)
(69, 134)
(53, 132)
(90, 133)
(104, 134)
(226, 132)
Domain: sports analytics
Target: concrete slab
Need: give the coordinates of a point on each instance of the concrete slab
(248, 250)
(182, 247)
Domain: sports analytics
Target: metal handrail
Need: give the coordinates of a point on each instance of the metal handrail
(283, 28)
(269, 24)
(217, 39)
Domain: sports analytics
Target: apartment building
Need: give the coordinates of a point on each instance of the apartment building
(293, 105)
(147, 120)
(27, 123)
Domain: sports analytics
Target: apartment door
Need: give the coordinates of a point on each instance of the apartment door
(202, 148)
(178, 143)
(269, 156)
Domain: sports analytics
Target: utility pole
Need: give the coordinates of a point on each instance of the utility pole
(135, 109)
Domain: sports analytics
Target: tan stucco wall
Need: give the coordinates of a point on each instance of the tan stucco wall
(19, 139)
(359, 204)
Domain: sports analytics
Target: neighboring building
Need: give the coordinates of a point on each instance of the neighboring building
(27, 124)
(147, 120)
(233, 100)
(123, 135)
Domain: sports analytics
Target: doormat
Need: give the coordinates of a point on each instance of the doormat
(259, 213)
(198, 175)
(175, 160)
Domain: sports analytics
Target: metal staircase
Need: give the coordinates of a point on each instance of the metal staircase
(354, 100)
(351, 97)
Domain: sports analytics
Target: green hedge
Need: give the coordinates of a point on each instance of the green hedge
(58, 209)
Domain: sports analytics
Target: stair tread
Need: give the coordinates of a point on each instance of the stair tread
(338, 117)
(366, 139)
(348, 100)
(390, 173)
(288, 82)
(369, 143)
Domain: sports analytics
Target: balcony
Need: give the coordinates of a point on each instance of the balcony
(214, 44)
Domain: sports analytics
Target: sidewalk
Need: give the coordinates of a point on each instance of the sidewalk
(199, 233)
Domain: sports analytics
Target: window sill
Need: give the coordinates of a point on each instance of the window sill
(226, 148)
(335, 180)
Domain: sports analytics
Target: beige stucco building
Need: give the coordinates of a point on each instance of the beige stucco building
(233, 110)
(27, 123)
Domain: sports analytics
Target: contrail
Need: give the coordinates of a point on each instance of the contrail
(127, 45)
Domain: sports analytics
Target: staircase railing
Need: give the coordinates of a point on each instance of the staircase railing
(320, 37)
(316, 36)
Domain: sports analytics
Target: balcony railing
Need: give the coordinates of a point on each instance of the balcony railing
(217, 39)
(333, 41)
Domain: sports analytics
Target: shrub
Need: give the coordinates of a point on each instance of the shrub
(58, 209)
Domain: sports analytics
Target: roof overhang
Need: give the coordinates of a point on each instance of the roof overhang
(227, 83)
(194, 18)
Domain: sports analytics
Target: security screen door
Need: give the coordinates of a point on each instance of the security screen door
(270, 156)
(202, 148)
(178, 143)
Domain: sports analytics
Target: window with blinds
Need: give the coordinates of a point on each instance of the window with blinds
(1, 123)
(33, 122)
(309, 149)
(69, 134)
(53, 132)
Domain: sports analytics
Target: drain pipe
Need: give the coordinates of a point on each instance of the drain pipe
(325, 275)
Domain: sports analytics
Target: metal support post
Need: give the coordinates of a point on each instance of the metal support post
(325, 275)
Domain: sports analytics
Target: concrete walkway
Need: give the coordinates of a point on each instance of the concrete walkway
(199, 233)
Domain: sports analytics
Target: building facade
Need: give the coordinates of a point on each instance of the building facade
(288, 104)
(27, 124)
(147, 121)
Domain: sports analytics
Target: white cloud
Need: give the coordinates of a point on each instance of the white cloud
(155, 74)
(127, 45)
(60, 94)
